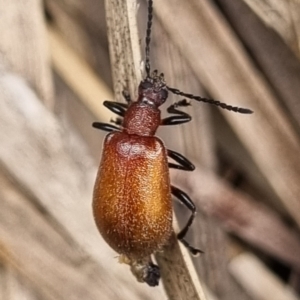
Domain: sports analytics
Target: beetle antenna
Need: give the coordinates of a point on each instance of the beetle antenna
(148, 36)
(236, 109)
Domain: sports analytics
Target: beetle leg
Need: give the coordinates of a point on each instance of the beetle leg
(116, 107)
(183, 163)
(187, 201)
(105, 126)
(182, 117)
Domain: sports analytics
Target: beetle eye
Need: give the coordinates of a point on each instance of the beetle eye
(146, 84)
(164, 94)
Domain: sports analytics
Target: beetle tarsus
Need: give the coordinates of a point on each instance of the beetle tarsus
(192, 250)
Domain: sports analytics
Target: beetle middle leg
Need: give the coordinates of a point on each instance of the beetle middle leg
(183, 163)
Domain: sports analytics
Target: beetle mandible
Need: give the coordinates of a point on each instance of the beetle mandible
(132, 202)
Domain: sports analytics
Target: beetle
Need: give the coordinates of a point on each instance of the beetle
(132, 202)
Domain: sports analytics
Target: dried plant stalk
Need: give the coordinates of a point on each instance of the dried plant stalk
(260, 282)
(78, 75)
(23, 45)
(56, 176)
(124, 58)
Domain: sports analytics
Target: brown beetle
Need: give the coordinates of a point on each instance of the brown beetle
(132, 195)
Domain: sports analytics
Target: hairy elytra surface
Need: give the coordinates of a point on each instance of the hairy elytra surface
(132, 200)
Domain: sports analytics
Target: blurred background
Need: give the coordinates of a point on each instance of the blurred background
(55, 73)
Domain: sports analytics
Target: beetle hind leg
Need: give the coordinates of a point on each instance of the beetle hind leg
(187, 201)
